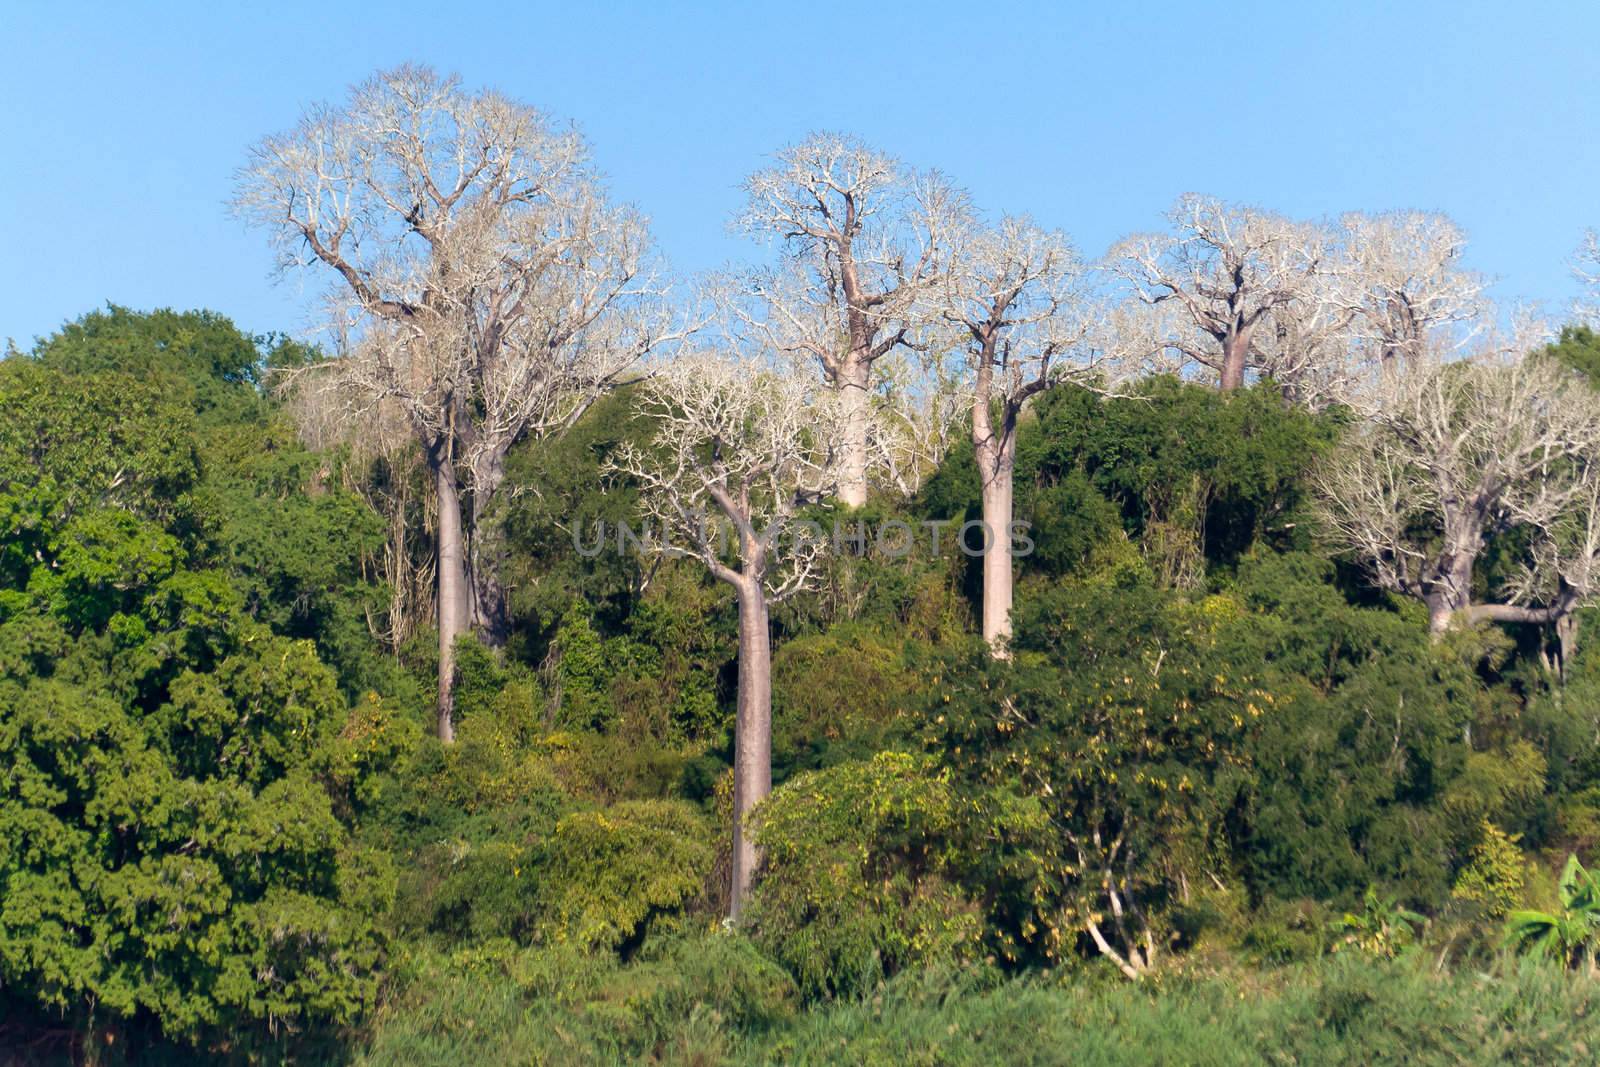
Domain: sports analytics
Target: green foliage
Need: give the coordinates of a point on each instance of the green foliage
(855, 885)
(1107, 756)
(868, 693)
(1569, 934)
(224, 821)
(201, 877)
(1493, 877)
(581, 672)
(691, 1000)
(609, 876)
(1195, 473)
(1365, 743)
(714, 1001)
(1381, 928)
(1579, 348)
(175, 808)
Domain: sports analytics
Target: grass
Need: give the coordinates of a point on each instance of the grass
(714, 1000)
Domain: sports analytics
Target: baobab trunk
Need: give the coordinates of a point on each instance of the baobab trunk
(485, 551)
(1234, 350)
(752, 734)
(851, 384)
(995, 465)
(1450, 594)
(453, 589)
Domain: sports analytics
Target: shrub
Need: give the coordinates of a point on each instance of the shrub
(610, 875)
(854, 883)
(1569, 934)
(1493, 877)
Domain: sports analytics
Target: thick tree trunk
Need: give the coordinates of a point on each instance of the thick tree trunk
(454, 594)
(995, 467)
(485, 555)
(852, 383)
(1450, 593)
(1441, 613)
(1567, 641)
(1234, 351)
(752, 734)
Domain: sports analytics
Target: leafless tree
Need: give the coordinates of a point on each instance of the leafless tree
(1229, 285)
(917, 416)
(486, 287)
(1019, 294)
(1411, 293)
(863, 239)
(741, 444)
(1586, 266)
(1450, 454)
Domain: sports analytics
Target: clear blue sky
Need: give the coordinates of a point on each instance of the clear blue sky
(122, 123)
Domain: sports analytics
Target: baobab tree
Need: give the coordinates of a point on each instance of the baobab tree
(1018, 293)
(740, 446)
(921, 403)
(1450, 454)
(1216, 282)
(1408, 288)
(863, 239)
(1586, 268)
(481, 280)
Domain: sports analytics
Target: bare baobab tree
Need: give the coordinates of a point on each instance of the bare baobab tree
(1018, 293)
(1586, 268)
(1408, 287)
(921, 404)
(486, 287)
(1450, 454)
(1222, 275)
(863, 238)
(740, 445)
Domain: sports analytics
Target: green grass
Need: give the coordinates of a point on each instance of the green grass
(715, 1001)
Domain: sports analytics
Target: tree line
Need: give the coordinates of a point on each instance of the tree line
(487, 291)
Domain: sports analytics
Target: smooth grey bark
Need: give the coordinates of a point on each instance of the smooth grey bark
(995, 449)
(454, 589)
(1448, 595)
(485, 555)
(752, 734)
(852, 383)
(1235, 355)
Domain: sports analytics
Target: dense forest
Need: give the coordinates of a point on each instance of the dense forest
(551, 667)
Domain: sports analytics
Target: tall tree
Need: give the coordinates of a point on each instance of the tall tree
(1451, 454)
(484, 283)
(1409, 289)
(1018, 293)
(739, 445)
(1227, 281)
(864, 238)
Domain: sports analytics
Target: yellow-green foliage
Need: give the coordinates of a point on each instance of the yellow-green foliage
(853, 886)
(867, 689)
(609, 874)
(1497, 786)
(1494, 875)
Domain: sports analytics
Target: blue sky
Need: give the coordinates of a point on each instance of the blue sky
(122, 123)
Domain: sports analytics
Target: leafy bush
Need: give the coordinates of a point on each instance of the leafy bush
(1569, 934)
(1494, 875)
(1097, 770)
(854, 885)
(609, 876)
(692, 1000)
(868, 690)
